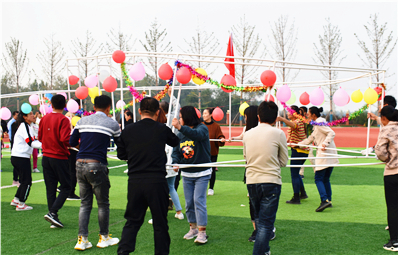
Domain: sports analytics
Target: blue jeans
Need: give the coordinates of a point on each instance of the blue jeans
(195, 199)
(93, 179)
(173, 193)
(265, 199)
(297, 181)
(322, 181)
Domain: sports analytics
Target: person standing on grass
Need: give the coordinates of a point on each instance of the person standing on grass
(386, 150)
(265, 151)
(214, 133)
(11, 137)
(142, 144)
(194, 148)
(296, 133)
(308, 130)
(322, 136)
(54, 133)
(24, 141)
(94, 133)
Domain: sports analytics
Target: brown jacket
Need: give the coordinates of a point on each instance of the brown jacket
(386, 148)
(214, 133)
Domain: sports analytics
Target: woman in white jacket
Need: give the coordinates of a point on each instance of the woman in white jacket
(24, 141)
(322, 136)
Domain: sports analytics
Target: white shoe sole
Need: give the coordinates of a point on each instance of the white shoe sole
(26, 209)
(52, 221)
(82, 249)
(191, 237)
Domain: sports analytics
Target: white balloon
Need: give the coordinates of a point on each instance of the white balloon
(103, 75)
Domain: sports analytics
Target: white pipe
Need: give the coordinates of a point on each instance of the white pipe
(334, 149)
(229, 116)
(121, 97)
(369, 111)
(134, 115)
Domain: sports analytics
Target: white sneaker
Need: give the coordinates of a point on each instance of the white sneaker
(179, 216)
(202, 238)
(210, 192)
(193, 232)
(35, 170)
(14, 203)
(150, 221)
(23, 207)
(126, 171)
(82, 245)
(40, 155)
(105, 242)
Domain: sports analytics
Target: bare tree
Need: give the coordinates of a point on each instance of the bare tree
(15, 62)
(51, 59)
(84, 48)
(119, 41)
(328, 52)
(284, 44)
(382, 44)
(155, 41)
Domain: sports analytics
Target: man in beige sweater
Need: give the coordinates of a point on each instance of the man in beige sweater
(265, 150)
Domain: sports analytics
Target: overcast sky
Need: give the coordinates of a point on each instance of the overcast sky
(31, 22)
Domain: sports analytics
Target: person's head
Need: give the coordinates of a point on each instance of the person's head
(58, 102)
(388, 113)
(128, 115)
(390, 100)
(15, 114)
(303, 110)
(207, 114)
(189, 117)
(149, 107)
(314, 112)
(27, 118)
(165, 106)
(294, 108)
(162, 116)
(267, 112)
(103, 104)
(251, 117)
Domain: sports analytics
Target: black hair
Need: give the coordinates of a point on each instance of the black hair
(162, 116)
(390, 100)
(315, 110)
(149, 105)
(102, 102)
(267, 112)
(14, 112)
(164, 106)
(295, 108)
(210, 110)
(20, 118)
(128, 113)
(251, 117)
(189, 116)
(305, 109)
(390, 113)
(58, 102)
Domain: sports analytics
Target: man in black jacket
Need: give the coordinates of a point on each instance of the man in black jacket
(143, 145)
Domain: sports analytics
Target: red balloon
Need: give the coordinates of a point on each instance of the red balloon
(217, 114)
(378, 90)
(109, 84)
(118, 56)
(165, 72)
(73, 80)
(183, 75)
(81, 92)
(268, 78)
(304, 98)
(271, 98)
(198, 113)
(228, 80)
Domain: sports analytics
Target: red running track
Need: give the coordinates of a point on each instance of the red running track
(345, 136)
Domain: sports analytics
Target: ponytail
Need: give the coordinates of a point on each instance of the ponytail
(315, 110)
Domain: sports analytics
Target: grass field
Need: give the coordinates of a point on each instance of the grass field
(355, 224)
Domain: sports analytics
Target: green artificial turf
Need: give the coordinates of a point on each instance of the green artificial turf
(355, 224)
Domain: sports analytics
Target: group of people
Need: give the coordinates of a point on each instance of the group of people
(143, 145)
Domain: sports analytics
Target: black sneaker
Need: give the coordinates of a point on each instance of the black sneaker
(53, 219)
(252, 238)
(303, 195)
(392, 245)
(323, 206)
(73, 197)
(294, 200)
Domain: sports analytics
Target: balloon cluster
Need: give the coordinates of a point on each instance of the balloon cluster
(138, 97)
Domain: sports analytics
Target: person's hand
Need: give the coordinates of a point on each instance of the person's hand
(223, 140)
(175, 168)
(323, 147)
(279, 118)
(169, 92)
(176, 124)
(372, 116)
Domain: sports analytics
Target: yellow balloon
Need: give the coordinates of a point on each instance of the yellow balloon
(370, 96)
(75, 120)
(242, 108)
(92, 100)
(94, 92)
(357, 96)
(197, 80)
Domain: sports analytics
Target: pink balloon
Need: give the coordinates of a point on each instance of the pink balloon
(120, 104)
(43, 109)
(91, 81)
(64, 94)
(283, 94)
(34, 99)
(341, 97)
(137, 71)
(72, 106)
(5, 113)
(317, 96)
(49, 109)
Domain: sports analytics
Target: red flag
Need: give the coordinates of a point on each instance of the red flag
(230, 52)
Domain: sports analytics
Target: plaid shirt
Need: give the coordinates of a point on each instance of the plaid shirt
(386, 148)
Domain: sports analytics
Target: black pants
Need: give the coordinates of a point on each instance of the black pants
(177, 181)
(391, 193)
(72, 169)
(14, 171)
(140, 196)
(23, 166)
(213, 173)
(54, 171)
